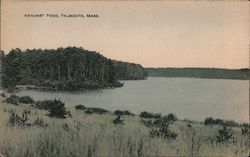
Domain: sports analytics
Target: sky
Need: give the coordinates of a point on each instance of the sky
(151, 33)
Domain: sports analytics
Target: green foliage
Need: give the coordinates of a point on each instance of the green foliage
(45, 104)
(118, 120)
(96, 110)
(245, 129)
(11, 66)
(129, 71)
(111, 72)
(80, 107)
(145, 114)
(211, 121)
(26, 100)
(13, 99)
(16, 120)
(3, 95)
(92, 110)
(68, 68)
(57, 109)
(119, 112)
(200, 73)
(225, 134)
(22, 120)
(160, 126)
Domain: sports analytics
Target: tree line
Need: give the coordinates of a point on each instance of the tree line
(213, 73)
(62, 68)
(129, 71)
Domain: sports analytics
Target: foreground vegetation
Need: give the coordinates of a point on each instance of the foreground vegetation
(214, 73)
(68, 68)
(37, 129)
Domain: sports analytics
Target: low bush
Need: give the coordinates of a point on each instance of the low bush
(211, 121)
(225, 134)
(13, 99)
(80, 107)
(230, 123)
(26, 100)
(22, 120)
(16, 120)
(91, 110)
(147, 123)
(121, 113)
(160, 127)
(245, 129)
(55, 107)
(3, 95)
(96, 110)
(149, 115)
(118, 120)
(170, 118)
(45, 104)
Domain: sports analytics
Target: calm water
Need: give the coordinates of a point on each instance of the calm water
(189, 98)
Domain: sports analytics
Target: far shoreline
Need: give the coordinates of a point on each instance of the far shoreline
(209, 73)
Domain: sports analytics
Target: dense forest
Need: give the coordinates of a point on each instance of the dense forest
(64, 68)
(129, 71)
(243, 74)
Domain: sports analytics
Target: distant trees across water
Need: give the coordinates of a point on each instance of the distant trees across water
(214, 73)
(68, 68)
(129, 71)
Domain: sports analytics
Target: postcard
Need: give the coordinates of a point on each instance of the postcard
(124, 78)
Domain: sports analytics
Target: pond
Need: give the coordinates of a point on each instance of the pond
(189, 98)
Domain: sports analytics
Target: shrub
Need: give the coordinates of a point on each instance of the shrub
(245, 129)
(22, 121)
(26, 100)
(118, 120)
(16, 120)
(170, 118)
(147, 123)
(57, 109)
(13, 99)
(149, 115)
(225, 134)
(46, 104)
(160, 127)
(230, 123)
(211, 121)
(80, 107)
(88, 112)
(96, 110)
(118, 112)
(164, 124)
(3, 95)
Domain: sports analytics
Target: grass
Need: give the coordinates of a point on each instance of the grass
(96, 135)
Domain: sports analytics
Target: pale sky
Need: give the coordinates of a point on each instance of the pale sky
(151, 33)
